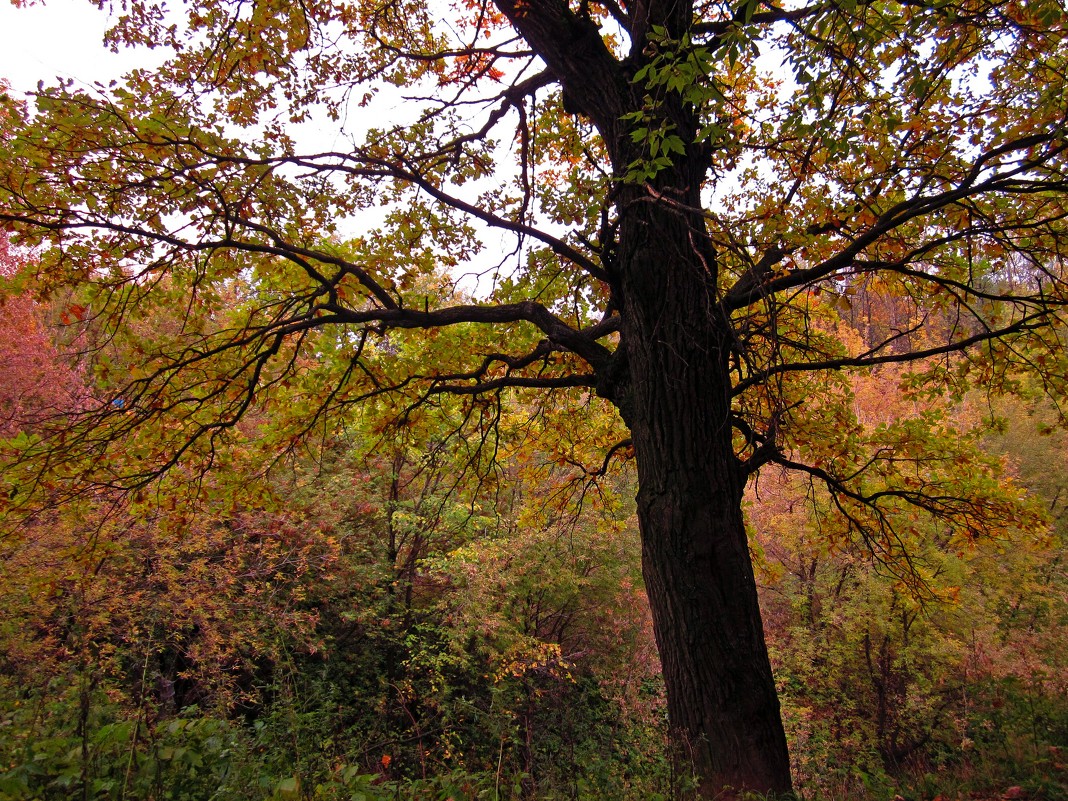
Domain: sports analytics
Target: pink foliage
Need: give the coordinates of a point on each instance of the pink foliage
(36, 383)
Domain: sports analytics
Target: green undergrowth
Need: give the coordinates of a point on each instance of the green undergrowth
(71, 742)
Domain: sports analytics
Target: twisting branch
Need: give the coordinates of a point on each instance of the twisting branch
(1032, 322)
(1009, 182)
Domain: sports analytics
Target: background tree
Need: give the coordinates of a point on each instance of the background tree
(680, 221)
(878, 679)
(36, 383)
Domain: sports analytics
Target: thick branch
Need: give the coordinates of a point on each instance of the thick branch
(582, 342)
(572, 47)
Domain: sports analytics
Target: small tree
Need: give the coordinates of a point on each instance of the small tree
(689, 188)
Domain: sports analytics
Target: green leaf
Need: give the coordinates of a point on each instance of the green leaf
(287, 788)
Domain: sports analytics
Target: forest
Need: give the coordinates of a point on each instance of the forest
(623, 400)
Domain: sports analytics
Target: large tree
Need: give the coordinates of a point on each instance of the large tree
(681, 191)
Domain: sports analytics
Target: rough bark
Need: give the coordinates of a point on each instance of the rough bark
(671, 382)
(722, 703)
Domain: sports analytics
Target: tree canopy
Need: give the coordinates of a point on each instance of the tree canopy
(659, 206)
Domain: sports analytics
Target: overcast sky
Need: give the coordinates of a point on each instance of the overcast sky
(62, 38)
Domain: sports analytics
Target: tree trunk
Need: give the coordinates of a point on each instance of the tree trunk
(671, 382)
(722, 703)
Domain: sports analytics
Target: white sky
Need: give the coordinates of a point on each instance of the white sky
(63, 38)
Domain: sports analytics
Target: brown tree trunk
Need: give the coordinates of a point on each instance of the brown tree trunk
(671, 382)
(722, 703)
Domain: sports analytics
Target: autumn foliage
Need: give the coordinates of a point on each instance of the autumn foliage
(379, 386)
(36, 383)
(386, 615)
